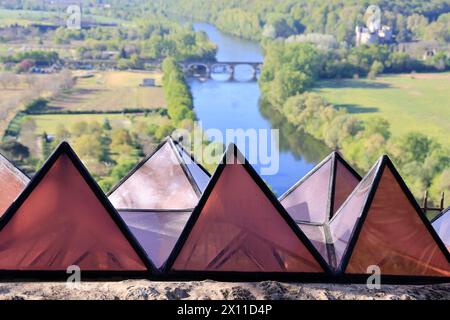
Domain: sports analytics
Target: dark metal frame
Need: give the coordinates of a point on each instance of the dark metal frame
(176, 148)
(336, 276)
(10, 164)
(168, 273)
(440, 215)
(185, 169)
(337, 157)
(13, 167)
(154, 210)
(330, 240)
(425, 208)
(334, 157)
(136, 168)
(64, 148)
(343, 277)
(183, 149)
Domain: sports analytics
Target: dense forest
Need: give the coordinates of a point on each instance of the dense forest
(150, 37)
(410, 20)
(273, 18)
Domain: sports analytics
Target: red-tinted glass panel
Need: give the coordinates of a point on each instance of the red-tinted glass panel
(160, 183)
(63, 223)
(345, 183)
(395, 238)
(12, 182)
(239, 229)
(343, 223)
(309, 201)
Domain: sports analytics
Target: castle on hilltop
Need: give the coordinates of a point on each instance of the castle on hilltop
(381, 35)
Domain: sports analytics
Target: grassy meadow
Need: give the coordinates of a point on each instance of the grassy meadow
(26, 17)
(23, 17)
(410, 102)
(11, 103)
(111, 91)
(13, 97)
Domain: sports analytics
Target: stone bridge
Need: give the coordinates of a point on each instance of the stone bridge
(204, 69)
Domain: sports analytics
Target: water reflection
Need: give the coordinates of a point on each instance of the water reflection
(221, 77)
(244, 72)
(301, 144)
(231, 48)
(221, 72)
(221, 104)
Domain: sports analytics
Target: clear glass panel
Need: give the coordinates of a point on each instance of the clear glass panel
(240, 230)
(12, 182)
(317, 237)
(63, 223)
(345, 220)
(442, 227)
(157, 232)
(395, 238)
(200, 177)
(160, 183)
(308, 202)
(345, 183)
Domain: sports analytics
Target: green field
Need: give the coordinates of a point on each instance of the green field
(27, 17)
(14, 97)
(24, 17)
(111, 90)
(410, 102)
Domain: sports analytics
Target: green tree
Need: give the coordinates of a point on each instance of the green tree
(376, 69)
(79, 128)
(62, 133)
(88, 146)
(122, 143)
(415, 147)
(15, 150)
(106, 124)
(377, 125)
(164, 131)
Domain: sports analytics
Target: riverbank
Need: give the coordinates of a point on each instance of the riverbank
(364, 126)
(267, 290)
(235, 105)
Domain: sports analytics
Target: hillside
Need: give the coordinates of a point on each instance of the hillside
(252, 19)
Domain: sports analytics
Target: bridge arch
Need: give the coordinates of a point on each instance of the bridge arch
(222, 68)
(198, 69)
(252, 72)
(207, 68)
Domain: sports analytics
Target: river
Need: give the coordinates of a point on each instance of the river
(236, 105)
